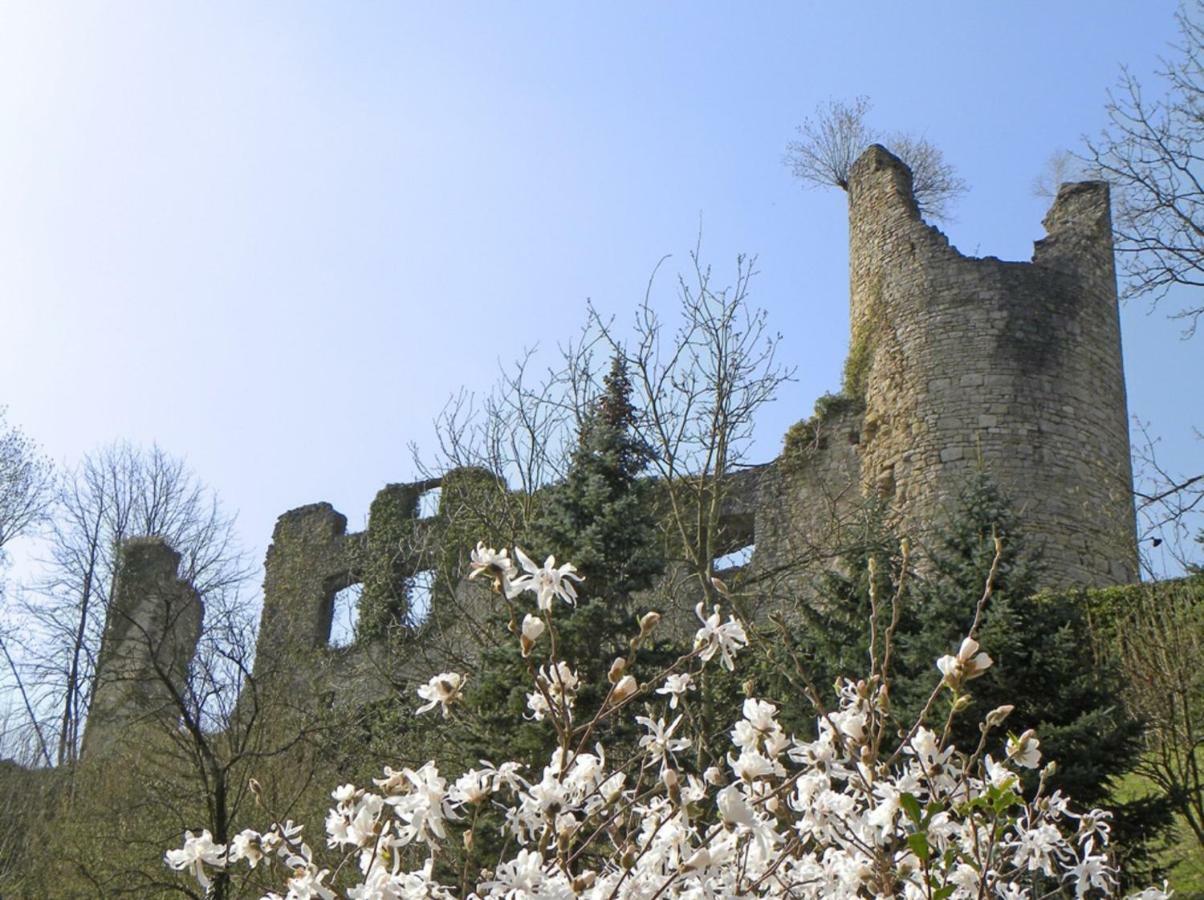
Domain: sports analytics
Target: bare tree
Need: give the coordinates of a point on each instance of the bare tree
(1170, 508)
(699, 387)
(26, 482)
(699, 378)
(1157, 637)
(1153, 154)
(118, 492)
(26, 490)
(832, 139)
(1061, 167)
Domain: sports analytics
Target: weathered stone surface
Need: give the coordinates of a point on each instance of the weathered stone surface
(1014, 366)
(150, 637)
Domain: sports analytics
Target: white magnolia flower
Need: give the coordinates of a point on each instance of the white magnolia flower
(659, 742)
(714, 637)
(198, 851)
(442, 690)
(495, 563)
(675, 687)
(1025, 750)
(546, 581)
(558, 682)
(245, 845)
(968, 663)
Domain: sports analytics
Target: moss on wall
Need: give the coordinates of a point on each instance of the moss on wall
(808, 435)
(855, 377)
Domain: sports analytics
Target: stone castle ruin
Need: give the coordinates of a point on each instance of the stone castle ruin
(955, 363)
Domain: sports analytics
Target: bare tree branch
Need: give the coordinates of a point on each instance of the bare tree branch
(1153, 154)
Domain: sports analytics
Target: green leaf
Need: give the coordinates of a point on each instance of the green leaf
(911, 806)
(918, 843)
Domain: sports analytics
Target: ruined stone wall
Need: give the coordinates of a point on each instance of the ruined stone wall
(805, 501)
(1014, 366)
(954, 363)
(313, 557)
(150, 637)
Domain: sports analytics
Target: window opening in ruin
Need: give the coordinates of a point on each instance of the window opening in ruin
(428, 503)
(420, 588)
(733, 560)
(345, 613)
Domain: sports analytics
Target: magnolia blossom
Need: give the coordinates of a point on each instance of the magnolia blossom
(676, 685)
(833, 813)
(546, 581)
(968, 663)
(495, 563)
(557, 683)
(715, 637)
(198, 852)
(659, 743)
(245, 845)
(443, 690)
(1025, 750)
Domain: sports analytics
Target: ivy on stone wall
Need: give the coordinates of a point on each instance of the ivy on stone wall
(384, 560)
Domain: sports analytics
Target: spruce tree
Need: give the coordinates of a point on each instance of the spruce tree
(600, 518)
(1044, 662)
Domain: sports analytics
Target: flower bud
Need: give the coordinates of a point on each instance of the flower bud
(648, 621)
(583, 883)
(672, 784)
(628, 856)
(533, 627)
(625, 688)
(713, 776)
(616, 670)
(998, 714)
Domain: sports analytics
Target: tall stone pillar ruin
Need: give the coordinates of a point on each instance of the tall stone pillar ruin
(151, 634)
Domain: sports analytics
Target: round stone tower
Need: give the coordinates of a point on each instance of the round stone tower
(1014, 367)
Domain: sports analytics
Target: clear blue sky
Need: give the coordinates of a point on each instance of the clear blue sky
(274, 237)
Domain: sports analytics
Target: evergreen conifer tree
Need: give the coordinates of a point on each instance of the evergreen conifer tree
(602, 519)
(1044, 662)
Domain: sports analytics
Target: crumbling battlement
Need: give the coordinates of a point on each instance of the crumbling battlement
(1012, 366)
(954, 363)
